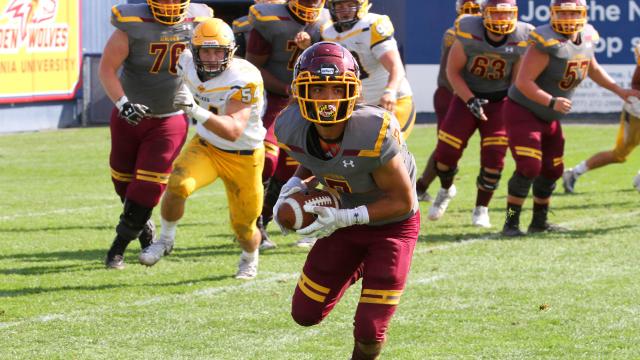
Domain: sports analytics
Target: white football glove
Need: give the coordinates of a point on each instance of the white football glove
(331, 219)
(184, 101)
(292, 186)
(633, 106)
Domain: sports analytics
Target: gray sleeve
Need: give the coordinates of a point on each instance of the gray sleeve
(392, 143)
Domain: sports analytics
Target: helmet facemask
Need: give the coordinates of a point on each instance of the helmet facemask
(359, 11)
(467, 7)
(501, 18)
(326, 111)
(306, 13)
(208, 69)
(168, 14)
(568, 25)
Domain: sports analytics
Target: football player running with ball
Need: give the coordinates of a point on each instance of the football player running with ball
(359, 151)
(561, 56)
(483, 62)
(147, 131)
(227, 102)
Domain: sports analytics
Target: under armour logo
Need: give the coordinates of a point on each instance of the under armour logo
(508, 49)
(349, 163)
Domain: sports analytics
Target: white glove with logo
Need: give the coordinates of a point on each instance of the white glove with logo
(184, 101)
(633, 106)
(292, 186)
(331, 219)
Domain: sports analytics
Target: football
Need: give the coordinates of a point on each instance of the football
(291, 214)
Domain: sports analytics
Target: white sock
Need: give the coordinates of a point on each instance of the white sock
(251, 256)
(581, 168)
(168, 231)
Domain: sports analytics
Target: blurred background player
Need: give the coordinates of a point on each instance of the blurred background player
(443, 94)
(272, 49)
(228, 143)
(147, 132)
(627, 140)
(359, 151)
(483, 62)
(242, 27)
(561, 56)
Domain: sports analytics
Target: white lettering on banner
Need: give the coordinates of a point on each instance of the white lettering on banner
(634, 10)
(596, 12)
(609, 46)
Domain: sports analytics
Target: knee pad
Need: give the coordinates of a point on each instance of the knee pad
(132, 220)
(244, 232)
(145, 193)
(528, 166)
(448, 155)
(543, 187)
(181, 186)
(486, 185)
(446, 175)
(519, 185)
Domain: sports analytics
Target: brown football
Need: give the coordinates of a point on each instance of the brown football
(291, 214)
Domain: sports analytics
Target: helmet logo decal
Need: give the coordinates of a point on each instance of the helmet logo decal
(327, 110)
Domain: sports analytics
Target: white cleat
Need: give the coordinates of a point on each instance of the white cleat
(247, 269)
(480, 217)
(307, 242)
(636, 181)
(153, 253)
(569, 179)
(441, 203)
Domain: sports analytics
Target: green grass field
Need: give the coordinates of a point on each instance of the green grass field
(470, 294)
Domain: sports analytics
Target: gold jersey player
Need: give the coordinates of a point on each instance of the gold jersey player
(357, 150)
(147, 131)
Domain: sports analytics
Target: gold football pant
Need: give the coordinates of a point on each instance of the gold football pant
(628, 136)
(405, 112)
(201, 163)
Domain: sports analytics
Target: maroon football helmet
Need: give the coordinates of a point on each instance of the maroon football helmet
(500, 16)
(568, 16)
(326, 63)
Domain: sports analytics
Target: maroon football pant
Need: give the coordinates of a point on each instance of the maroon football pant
(142, 156)
(381, 255)
(460, 124)
(275, 104)
(537, 146)
(441, 100)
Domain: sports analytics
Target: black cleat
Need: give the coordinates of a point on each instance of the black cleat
(148, 235)
(265, 242)
(546, 227)
(114, 262)
(511, 231)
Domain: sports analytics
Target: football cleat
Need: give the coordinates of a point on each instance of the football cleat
(148, 234)
(546, 227)
(569, 179)
(480, 217)
(511, 231)
(306, 242)
(114, 261)
(425, 197)
(247, 269)
(441, 203)
(265, 242)
(636, 181)
(153, 253)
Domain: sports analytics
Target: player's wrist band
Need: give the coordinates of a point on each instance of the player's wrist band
(552, 102)
(120, 102)
(360, 215)
(200, 114)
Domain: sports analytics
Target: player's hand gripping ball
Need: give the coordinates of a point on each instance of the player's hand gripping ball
(291, 214)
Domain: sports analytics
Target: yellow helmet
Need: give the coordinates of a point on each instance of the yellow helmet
(468, 7)
(212, 33)
(500, 25)
(361, 10)
(568, 26)
(168, 14)
(309, 12)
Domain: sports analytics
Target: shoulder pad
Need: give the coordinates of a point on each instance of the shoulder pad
(449, 37)
(129, 13)
(544, 38)
(241, 24)
(184, 60)
(260, 13)
(589, 33)
(520, 37)
(469, 28)
(381, 29)
(636, 52)
(288, 123)
(372, 123)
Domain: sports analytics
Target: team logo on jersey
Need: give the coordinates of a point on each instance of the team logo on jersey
(327, 110)
(348, 163)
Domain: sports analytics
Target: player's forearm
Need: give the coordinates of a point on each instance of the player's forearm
(111, 83)
(227, 127)
(635, 81)
(390, 206)
(600, 77)
(532, 91)
(460, 87)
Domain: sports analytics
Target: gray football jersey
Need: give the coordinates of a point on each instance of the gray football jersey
(488, 68)
(241, 29)
(447, 40)
(149, 72)
(279, 27)
(568, 66)
(372, 137)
